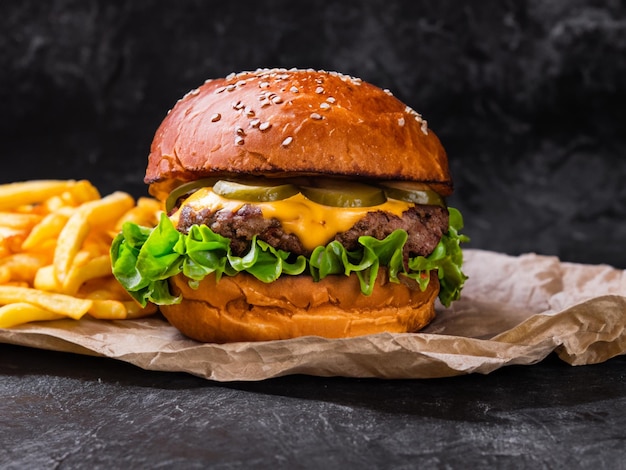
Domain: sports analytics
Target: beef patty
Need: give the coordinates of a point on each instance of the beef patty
(424, 224)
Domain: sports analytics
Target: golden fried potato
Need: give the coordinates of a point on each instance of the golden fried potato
(55, 237)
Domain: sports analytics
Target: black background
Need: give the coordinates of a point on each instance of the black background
(528, 97)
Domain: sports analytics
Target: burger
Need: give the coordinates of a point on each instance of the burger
(295, 202)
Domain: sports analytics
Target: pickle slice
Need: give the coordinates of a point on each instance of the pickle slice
(417, 193)
(184, 190)
(254, 192)
(337, 193)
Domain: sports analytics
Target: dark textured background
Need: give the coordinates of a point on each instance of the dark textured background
(528, 97)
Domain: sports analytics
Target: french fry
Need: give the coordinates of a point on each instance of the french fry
(149, 206)
(10, 239)
(45, 280)
(22, 312)
(55, 238)
(108, 209)
(57, 205)
(62, 304)
(13, 195)
(23, 266)
(83, 191)
(145, 213)
(101, 211)
(108, 310)
(134, 310)
(103, 288)
(49, 227)
(68, 245)
(79, 274)
(19, 221)
(5, 274)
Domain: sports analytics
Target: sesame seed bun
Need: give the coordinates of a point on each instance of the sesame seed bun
(290, 123)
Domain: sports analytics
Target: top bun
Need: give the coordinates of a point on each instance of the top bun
(281, 123)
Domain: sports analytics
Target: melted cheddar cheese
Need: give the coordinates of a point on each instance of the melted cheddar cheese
(314, 224)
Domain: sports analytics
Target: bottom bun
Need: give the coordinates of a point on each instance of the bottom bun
(242, 308)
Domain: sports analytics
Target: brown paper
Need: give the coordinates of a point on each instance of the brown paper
(514, 310)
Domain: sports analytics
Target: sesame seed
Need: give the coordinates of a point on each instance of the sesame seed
(238, 140)
(264, 85)
(249, 111)
(220, 89)
(264, 126)
(216, 117)
(331, 100)
(294, 89)
(425, 127)
(240, 131)
(324, 106)
(238, 105)
(287, 141)
(319, 90)
(316, 116)
(230, 87)
(277, 99)
(255, 123)
(401, 122)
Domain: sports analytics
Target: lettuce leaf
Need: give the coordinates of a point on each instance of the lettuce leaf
(447, 259)
(143, 259)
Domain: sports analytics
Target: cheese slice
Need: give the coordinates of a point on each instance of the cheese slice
(314, 224)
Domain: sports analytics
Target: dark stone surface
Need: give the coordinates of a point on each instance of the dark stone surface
(67, 411)
(528, 97)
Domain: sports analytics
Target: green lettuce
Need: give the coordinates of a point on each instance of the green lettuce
(143, 259)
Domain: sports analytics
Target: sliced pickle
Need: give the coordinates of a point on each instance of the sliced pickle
(254, 192)
(186, 189)
(417, 193)
(337, 193)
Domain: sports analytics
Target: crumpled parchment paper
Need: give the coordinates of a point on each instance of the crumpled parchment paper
(514, 310)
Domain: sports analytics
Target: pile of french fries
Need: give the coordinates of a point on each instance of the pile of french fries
(55, 237)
